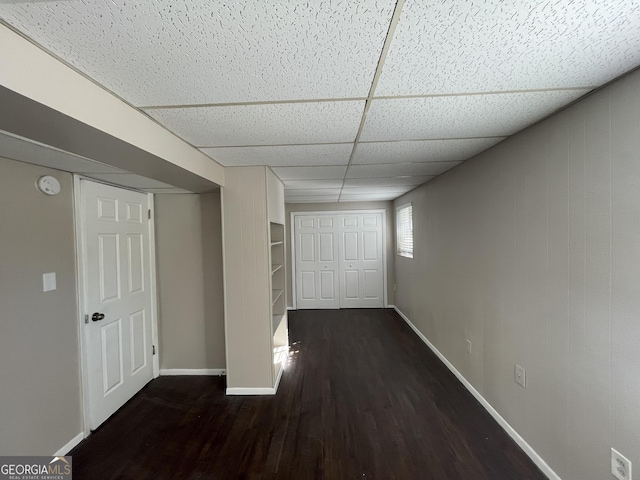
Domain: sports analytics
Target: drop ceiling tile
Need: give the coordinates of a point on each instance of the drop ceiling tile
(388, 182)
(282, 156)
(311, 191)
(460, 116)
(369, 197)
(421, 151)
(24, 150)
(310, 173)
(301, 184)
(164, 52)
(399, 169)
(398, 190)
(493, 45)
(311, 199)
(130, 180)
(265, 124)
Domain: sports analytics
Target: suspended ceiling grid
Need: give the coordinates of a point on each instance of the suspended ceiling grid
(346, 101)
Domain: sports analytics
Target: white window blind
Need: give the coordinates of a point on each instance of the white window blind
(404, 231)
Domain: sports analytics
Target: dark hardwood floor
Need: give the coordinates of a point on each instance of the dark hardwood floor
(362, 398)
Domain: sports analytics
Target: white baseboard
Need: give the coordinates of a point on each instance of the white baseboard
(278, 378)
(193, 371)
(251, 391)
(291, 308)
(531, 453)
(69, 446)
(391, 306)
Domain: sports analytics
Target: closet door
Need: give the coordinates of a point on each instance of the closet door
(360, 265)
(316, 246)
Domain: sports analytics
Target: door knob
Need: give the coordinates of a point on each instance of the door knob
(96, 317)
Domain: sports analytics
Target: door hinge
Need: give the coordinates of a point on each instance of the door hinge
(149, 214)
(154, 349)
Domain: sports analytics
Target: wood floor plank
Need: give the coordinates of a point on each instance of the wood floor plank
(361, 398)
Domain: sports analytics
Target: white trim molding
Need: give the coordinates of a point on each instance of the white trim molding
(192, 371)
(251, 391)
(70, 445)
(528, 449)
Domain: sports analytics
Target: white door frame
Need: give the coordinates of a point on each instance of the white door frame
(292, 215)
(81, 286)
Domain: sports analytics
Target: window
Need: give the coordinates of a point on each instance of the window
(404, 231)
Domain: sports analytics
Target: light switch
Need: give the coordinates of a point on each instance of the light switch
(49, 282)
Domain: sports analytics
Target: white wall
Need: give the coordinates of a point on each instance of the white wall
(531, 250)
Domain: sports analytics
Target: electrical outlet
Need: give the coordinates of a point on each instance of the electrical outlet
(620, 465)
(469, 346)
(521, 376)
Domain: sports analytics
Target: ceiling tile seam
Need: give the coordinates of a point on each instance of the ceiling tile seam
(252, 103)
(284, 180)
(432, 139)
(351, 99)
(276, 145)
(426, 162)
(488, 92)
(395, 18)
(305, 166)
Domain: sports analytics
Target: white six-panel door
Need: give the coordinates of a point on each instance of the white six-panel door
(316, 245)
(117, 296)
(360, 266)
(339, 260)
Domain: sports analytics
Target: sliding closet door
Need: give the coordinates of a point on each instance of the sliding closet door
(316, 245)
(339, 260)
(361, 266)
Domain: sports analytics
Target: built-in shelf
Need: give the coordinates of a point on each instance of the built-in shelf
(277, 318)
(279, 326)
(276, 296)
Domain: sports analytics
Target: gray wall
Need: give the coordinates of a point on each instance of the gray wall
(532, 251)
(190, 289)
(40, 389)
(318, 207)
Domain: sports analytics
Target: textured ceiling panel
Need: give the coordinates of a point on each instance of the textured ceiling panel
(421, 151)
(375, 190)
(494, 45)
(315, 122)
(460, 116)
(364, 198)
(399, 169)
(307, 173)
(283, 156)
(291, 192)
(373, 182)
(166, 52)
(311, 199)
(300, 184)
